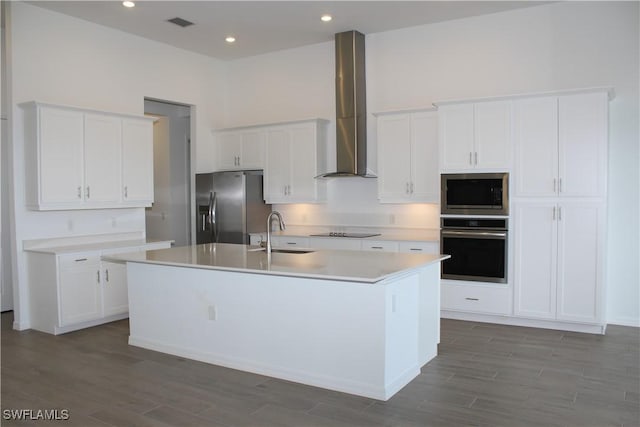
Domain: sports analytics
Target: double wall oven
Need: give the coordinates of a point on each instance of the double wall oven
(474, 226)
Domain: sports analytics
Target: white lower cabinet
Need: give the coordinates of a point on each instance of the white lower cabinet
(380, 245)
(115, 296)
(73, 291)
(419, 247)
(558, 261)
(80, 288)
(289, 242)
(476, 298)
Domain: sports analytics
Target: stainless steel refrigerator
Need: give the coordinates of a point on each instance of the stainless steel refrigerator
(229, 206)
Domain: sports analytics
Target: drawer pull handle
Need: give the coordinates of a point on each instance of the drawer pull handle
(472, 299)
(376, 247)
(81, 259)
(291, 243)
(416, 249)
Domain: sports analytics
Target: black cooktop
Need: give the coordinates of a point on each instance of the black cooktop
(343, 234)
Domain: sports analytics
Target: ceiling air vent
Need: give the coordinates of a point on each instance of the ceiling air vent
(180, 22)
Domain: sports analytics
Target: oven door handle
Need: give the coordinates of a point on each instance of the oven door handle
(475, 234)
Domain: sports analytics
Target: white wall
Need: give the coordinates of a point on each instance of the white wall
(544, 48)
(64, 60)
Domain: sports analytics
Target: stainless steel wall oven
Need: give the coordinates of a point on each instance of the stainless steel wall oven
(478, 249)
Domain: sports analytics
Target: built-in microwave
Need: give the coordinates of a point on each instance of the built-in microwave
(475, 194)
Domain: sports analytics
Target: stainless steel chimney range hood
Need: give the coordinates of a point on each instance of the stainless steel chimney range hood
(351, 110)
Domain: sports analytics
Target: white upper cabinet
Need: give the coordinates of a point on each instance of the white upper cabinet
(240, 149)
(55, 174)
(295, 155)
(582, 144)
(561, 145)
(102, 154)
(82, 159)
(476, 135)
(408, 157)
(137, 162)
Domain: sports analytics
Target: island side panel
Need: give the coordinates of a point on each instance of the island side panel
(326, 333)
(429, 313)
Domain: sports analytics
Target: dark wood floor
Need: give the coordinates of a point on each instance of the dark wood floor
(484, 375)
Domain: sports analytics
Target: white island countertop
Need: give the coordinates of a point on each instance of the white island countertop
(353, 266)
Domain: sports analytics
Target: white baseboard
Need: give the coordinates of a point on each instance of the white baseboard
(520, 321)
(625, 321)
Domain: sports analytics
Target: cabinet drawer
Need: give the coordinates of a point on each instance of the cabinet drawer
(380, 245)
(476, 298)
(78, 260)
(285, 241)
(419, 247)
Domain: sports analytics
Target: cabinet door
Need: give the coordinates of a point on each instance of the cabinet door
(61, 140)
(580, 269)
(535, 260)
(394, 157)
(583, 144)
(102, 158)
(252, 149)
(303, 163)
(424, 157)
(493, 134)
(114, 288)
(80, 291)
(536, 147)
(455, 130)
(137, 161)
(278, 166)
(228, 149)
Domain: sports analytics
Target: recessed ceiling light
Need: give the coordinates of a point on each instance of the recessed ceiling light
(230, 39)
(326, 18)
(128, 4)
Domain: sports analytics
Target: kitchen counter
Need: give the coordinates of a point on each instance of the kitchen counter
(356, 322)
(352, 266)
(396, 234)
(95, 246)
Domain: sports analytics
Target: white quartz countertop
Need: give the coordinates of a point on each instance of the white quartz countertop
(354, 266)
(93, 246)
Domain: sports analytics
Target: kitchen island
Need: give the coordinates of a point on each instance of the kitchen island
(357, 322)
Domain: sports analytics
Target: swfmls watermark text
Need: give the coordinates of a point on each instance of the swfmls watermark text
(35, 414)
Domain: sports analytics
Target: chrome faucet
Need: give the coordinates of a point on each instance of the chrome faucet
(269, 219)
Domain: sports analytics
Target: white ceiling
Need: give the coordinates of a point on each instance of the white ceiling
(267, 26)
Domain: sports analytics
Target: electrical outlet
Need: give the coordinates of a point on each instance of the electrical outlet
(212, 312)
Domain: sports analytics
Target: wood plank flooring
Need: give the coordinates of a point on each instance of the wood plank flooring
(484, 375)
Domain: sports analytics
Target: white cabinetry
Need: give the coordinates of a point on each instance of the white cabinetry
(558, 260)
(408, 157)
(289, 242)
(240, 149)
(84, 159)
(476, 298)
(295, 155)
(102, 154)
(561, 145)
(80, 289)
(114, 287)
(137, 162)
(475, 135)
(71, 291)
(380, 245)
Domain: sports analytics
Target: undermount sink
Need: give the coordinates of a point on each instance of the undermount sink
(291, 251)
(283, 251)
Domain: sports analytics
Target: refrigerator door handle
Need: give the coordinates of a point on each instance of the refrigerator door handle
(213, 207)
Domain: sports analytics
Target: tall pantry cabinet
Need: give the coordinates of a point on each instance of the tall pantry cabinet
(559, 206)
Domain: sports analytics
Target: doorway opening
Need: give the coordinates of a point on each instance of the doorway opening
(170, 216)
